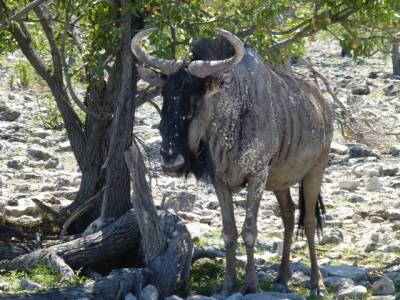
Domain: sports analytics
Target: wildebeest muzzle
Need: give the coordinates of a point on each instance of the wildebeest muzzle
(171, 162)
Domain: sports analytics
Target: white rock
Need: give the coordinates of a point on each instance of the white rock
(150, 292)
(368, 170)
(355, 292)
(236, 296)
(339, 148)
(393, 214)
(349, 185)
(4, 286)
(26, 284)
(273, 296)
(383, 286)
(347, 271)
(130, 296)
(373, 184)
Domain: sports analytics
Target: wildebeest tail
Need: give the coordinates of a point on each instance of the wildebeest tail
(319, 212)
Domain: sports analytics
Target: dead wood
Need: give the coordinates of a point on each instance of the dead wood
(153, 240)
(207, 252)
(164, 272)
(107, 244)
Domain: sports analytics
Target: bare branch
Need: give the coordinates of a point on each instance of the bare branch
(325, 81)
(146, 95)
(55, 53)
(80, 211)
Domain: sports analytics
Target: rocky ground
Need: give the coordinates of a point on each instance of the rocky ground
(359, 251)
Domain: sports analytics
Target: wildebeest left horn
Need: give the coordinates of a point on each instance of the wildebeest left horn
(166, 67)
(204, 68)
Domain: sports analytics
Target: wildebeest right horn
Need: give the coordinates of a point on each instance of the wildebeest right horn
(204, 68)
(166, 67)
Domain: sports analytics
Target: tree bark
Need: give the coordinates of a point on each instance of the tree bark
(116, 199)
(396, 57)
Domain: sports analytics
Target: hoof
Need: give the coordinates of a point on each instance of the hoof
(317, 292)
(280, 288)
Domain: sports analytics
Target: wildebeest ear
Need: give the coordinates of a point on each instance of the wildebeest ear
(213, 85)
(150, 76)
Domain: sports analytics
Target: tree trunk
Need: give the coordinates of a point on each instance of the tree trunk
(396, 57)
(98, 144)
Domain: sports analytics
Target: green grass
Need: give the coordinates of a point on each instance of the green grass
(41, 274)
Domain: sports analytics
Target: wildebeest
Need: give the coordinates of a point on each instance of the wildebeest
(229, 118)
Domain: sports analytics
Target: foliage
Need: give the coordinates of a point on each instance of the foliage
(40, 274)
(48, 116)
(371, 29)
(24, 72)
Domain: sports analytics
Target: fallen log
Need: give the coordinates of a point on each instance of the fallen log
(160, 239)
(88, 251)
(166, 272)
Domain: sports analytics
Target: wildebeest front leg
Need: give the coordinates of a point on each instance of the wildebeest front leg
(249, 232)
(287, 208)
(229, 234)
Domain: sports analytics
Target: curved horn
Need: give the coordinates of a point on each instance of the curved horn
(166, 67)
(204, 68)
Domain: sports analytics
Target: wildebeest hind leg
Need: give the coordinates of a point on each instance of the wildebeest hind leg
(230, 236)
(287, 211)
(311, 187)
(249, 232)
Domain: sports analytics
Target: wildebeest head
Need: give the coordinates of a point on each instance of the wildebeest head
(184, 89)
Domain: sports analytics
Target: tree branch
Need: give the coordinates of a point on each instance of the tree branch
(55, 53)
(17, 16)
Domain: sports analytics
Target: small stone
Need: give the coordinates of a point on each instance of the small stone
(376, 219)
(347, 271)
(355, 292)
(373, 184)
(361, 90)
(356, 218)
(393, 214)
(368, 170)
(338, 283)
(38, 153)
(298, 278)
(356, 199)
(390, 170)
(334, 237)
(199, 297)
(335, 255)
(339, 148)
(183, 202)
(373, 75)
(4, 286)
(150, 292)
(213, 204)
(236, 296)
(14, 164)
(130, 296)
(383, 286)
(392, 248)
(26, 284)
(273, 296)
(360, 150)
(52, 163)
(349, 185)
(371, 247)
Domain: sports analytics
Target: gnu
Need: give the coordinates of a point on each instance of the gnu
(227, 117)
